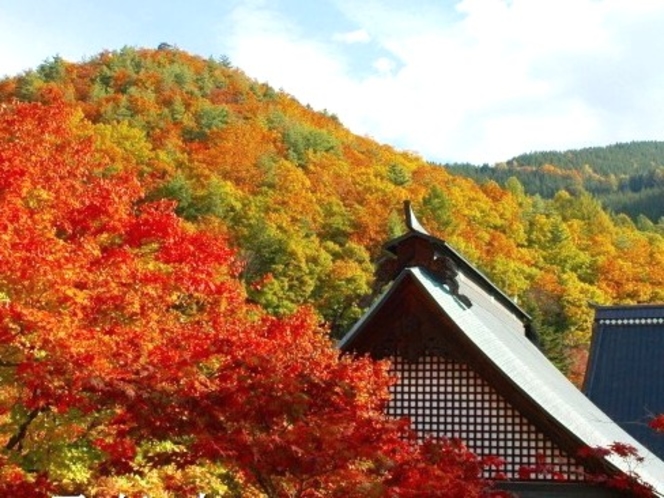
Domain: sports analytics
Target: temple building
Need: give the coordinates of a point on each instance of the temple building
(468, 367)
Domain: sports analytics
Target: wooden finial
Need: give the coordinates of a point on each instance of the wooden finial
(411, 220)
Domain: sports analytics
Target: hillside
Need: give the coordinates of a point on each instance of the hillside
(308, 204)
(627, 178)
(618, 159)
(133, 364)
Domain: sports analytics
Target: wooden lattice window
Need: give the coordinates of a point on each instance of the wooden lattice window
(445, 398)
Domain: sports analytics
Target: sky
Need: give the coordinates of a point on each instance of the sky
(477, 81)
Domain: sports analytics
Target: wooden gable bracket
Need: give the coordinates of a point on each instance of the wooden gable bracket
(417, 248)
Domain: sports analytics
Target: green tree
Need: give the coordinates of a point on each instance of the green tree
(398, 175)
(437, 207)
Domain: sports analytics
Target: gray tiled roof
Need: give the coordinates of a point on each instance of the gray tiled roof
(536, 376)
(500, 338)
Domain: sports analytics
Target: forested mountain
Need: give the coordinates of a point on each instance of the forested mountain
(627, 177)
(92, 170)
(308, 204)
(630, 158)
(132, 363)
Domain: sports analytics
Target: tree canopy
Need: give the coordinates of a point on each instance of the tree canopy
(306, 204)
(132, 362)
(173, 235)
(626, 177)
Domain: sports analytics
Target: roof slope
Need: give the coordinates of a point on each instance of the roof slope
(625, 368)
(519, 360)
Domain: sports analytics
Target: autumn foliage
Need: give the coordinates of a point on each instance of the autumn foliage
(307, 204)
(131, 360)
(172, 235)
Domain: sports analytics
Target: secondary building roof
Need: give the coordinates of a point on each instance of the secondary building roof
(625, 374)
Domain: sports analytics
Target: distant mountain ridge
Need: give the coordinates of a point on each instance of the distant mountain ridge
(627, 178)
(619, 158)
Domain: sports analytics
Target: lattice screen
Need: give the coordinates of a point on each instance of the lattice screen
(446, 398)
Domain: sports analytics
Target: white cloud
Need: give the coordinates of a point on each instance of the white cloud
(494, 79)
(357, 36)
(267, 46)
(384, 65)
(465, 90)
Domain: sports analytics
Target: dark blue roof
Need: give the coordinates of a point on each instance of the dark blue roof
(627, 312)
(625, 375)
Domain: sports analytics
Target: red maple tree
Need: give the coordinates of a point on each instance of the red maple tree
(130, 360)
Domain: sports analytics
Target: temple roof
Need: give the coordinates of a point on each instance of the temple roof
(516, 359)
(491, 331)
(626, 368)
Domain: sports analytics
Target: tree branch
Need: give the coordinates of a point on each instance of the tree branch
(17, 438)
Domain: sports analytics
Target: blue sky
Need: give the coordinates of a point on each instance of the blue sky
(470, 80)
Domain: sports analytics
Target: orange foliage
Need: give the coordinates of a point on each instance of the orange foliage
(162, 92)
(125, 329)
